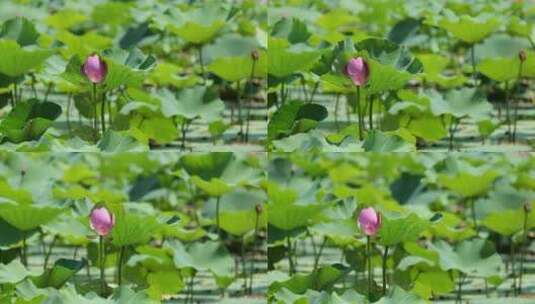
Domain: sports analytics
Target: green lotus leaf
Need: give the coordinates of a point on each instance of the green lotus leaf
(17, 61)
(133, 229)
(399, 230)
(26, 217)
(476, 257)
(470, 29)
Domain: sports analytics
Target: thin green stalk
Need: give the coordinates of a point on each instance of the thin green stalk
(103, 113)
(519, 78)
(474, 71)
(24, 253)
(68, 113)
(244, 266)
(289, 254)
(369, 249)
(218, 199)
(318, 255)
(238, 98)
(49, 252)
(513, 271)
(385, 256)
(120, 266)
(48, 90)
(95, 124)
(110, 120)
(255, 238)
(523, 249)
(314, 90)
(370, 119)
(201, 61)
(15, 92)
(101, 258)
(336, 105)
(459, 288)
(507, 110)
(474, 219)
(359, 114)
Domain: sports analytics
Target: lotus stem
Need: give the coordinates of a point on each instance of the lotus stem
(201, 62)
(49, 252)
(507, 110)
(102, 259)
(359, 115)
(473, 57)
(519, 79)
(120, 266)
(513, 271)
(318, 255)
(289, 253)
(24, 253)
(370, 119)
(385, 257)
(369, 249)
(103, 113)
(523, 249)
(255, 238)
(218, 199)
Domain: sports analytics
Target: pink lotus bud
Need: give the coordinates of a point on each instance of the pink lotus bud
(102, 220)
(95, 68)
(369, 221)
(357, 69)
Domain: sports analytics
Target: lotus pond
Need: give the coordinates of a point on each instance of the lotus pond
(391, 75)
(132, 228)
(105, 75)
(401, 228)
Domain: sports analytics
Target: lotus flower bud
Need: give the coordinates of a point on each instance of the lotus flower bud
(369, 221)
(102, 220)
(357, 69)
(522, 55)
(259, 208)
(527, 207)
(95, 69)
(255, 55)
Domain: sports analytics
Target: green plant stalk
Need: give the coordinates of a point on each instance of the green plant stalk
(110, 120)
(507, 110)
(473, 211)
(68, 113)
(238, 99)
(48, 89)
(15, 92)
(120, 266)
(459, 288)
(513, 271)
(244, 266)
(49, 252)
(201, 62)
(474, 71)
(218, 199)
(369, 249)
(385, 257)
(289, 253)
(103, 113)
(255, 238)
(101, 259)
(515, 115)
(95, 124)
(523, 249)
(370, 118)
(452, 133)
(359, 115)
(336, 106)
(318, 255)
(24, 253)
(251, 79)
